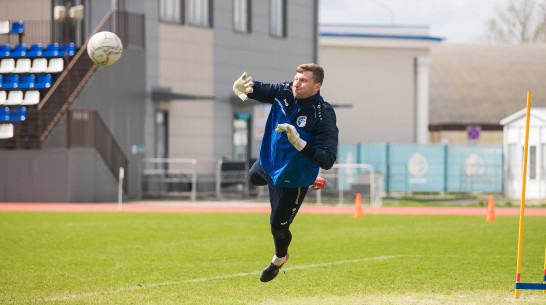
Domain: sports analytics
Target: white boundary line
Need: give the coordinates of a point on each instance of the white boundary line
(218, 277)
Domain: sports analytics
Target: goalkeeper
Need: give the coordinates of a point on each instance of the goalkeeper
(300, 136)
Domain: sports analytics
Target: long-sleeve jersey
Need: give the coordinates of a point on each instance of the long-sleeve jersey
(315, 121)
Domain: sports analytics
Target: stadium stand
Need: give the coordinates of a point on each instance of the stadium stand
(18, 114)
(67, 49)
(51, 50)
(6, 130)
(11, 81)
(7, 65)
(17, 27)
(19, 50)
(32, 97)
(15, 97)
(5, 50)
(39, 65)
(39, 102)
(4, 27)
(27, 81)
(55, 65)
(35, 50)
(4, 114)
(22, 65)
(43, 82)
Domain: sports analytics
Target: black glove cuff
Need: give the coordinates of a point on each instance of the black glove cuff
(308, 151)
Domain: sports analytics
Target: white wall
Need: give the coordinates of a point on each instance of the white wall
(379, 80)
(514, 141)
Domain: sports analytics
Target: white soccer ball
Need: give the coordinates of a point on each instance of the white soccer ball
(104, 48)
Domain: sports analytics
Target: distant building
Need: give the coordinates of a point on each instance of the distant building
(378, 76)
(474, 86)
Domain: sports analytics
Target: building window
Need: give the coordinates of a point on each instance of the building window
(171, 11)
(532, 162)
(277, 18)
(241, 15)
(201, 13)
(514, 161)
(543, 162)
(161, 134)
(241, 135)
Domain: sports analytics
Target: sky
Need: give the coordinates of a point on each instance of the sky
(460, 21)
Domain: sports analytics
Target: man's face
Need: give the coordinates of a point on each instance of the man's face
(304, 86)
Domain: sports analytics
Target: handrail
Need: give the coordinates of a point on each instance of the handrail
(86, 128)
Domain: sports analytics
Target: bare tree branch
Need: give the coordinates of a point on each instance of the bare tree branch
(521, 21)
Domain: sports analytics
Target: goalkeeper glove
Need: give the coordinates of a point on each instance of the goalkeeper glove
(293, 135)
(242, 86)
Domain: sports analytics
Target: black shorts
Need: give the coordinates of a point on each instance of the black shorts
(285, 202)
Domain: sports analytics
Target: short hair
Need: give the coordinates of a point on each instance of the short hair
(318, 71)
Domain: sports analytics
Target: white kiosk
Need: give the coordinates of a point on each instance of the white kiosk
(513, 142)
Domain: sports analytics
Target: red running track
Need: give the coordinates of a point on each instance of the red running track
(192, 207)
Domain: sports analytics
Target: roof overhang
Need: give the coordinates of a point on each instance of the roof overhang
(538, 113)
(166, 94)
(377, 41)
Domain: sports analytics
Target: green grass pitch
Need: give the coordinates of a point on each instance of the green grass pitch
(216, 258)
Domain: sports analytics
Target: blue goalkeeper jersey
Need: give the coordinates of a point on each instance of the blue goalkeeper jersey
(315, 121)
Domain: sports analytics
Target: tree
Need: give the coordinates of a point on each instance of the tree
(521, 21)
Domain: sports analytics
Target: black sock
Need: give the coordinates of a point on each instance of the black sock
(282, 243)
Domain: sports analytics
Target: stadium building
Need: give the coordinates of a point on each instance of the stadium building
(169, 96)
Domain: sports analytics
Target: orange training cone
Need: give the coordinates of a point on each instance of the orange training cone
(358, 206)
(490, 209)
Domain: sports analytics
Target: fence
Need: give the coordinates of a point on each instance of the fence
(428, 168)
(168, 177)
(86, 128)
(174, 178)
(373, 170)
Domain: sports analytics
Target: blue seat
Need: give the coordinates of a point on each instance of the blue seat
(27, 81)
(4, 114)
(18, 114)
(51, 50)
(11, 81)
(5, 50)
(17, 27)
(1, 76)
(43, 81)
(35, 50)
(67, 49)
(19, 50)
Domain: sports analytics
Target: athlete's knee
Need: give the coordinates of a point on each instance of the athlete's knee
(255, 179)
(254, 175)
(280, 232)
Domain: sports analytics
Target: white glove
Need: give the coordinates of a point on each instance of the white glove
(242, 86)
(293, 135)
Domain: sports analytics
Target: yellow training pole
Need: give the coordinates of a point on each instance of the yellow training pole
(544, 281)
(523, 179)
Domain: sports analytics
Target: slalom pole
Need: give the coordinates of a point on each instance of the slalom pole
(522, 204)
(544, 278)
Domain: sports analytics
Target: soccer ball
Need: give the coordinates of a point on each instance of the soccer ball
(104, 48)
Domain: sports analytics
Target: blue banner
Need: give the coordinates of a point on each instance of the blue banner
(427, 168)
(474, 169)
(416, 168)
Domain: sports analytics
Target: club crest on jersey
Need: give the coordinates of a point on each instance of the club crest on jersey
(302, 120)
